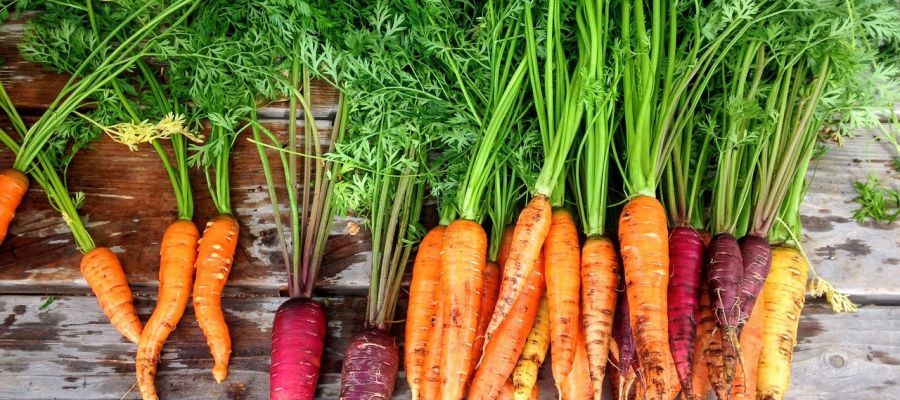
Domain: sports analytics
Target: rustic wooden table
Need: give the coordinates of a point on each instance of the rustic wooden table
(68, 350)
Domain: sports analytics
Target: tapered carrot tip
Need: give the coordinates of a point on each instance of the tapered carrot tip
(13, 186)
(103, 273)
(220, 371)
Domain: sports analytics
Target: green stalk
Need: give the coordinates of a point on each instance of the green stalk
(590, 175)
(482, 165)
(786, 154)
(183, 200)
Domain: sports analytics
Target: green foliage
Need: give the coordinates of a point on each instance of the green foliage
(46, 304)
(877, 201)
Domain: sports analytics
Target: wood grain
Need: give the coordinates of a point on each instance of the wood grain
(46, 353)
(859, 259)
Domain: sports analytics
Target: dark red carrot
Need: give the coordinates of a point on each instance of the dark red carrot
(686, 267)
(298, 340)
(725, 268)
(370, 366)
(757, 255)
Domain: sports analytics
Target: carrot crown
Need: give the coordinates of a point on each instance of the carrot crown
(558, 95)
(791, 143)
(732, 125)
(665, 76)
(590, 175)
(497, 106)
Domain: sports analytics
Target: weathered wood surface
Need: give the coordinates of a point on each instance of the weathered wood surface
(69, 351)
(860, 259)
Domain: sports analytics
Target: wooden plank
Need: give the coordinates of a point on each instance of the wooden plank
(32, 87)
(129, 203)
(856, 258)
(69, 351)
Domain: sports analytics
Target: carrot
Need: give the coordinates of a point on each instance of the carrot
(298, 341)
(525, 374)
(577, 384)
(640, 389)
(785, 293)
(751, 344)
(757, 257)
(706, 324)
(463, 260)
(214, 259)
(488, 301)
(507, 392)
(423, 300)
(600, 280)
(502, 351)
(13, 186)
(431, 378)
(178, 252)
(528, 239)
(370, 366)
(563, 267)
(686, 250)
(643, 238)
(715, 359)
(505, 245)
(725, 269)
(103, 273)
(626, 371)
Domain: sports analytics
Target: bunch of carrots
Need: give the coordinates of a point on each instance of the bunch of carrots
(533, 124)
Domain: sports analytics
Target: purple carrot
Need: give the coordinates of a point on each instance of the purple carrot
(370, 366)
(686, 268)
(725, 268)
(298, 340)
(627, 349)
(757, 255)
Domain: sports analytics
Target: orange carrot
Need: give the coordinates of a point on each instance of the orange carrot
(599, 281)
(488, 301)
(423, 300)
(13, 186)
(674, 390)
(463, 260)
(502, 351)
(508, 391)
(643, 235)
(178, 252)
(563, 267)
(103, 273)
(577, 384)
(505, 245)
(528, 239)
(431, 378)
(751, 346)
(214, 258)
(706, 324)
